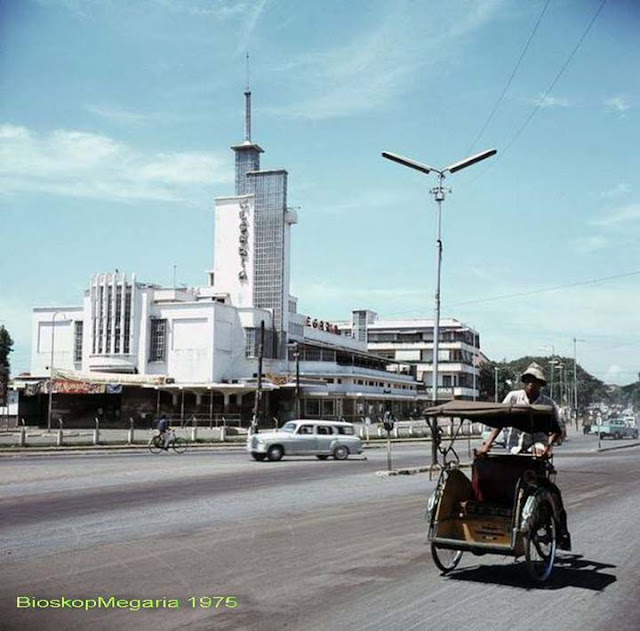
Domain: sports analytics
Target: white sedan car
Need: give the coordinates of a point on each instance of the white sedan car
(304, 437)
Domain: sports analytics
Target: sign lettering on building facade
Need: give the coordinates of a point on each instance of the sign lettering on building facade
(243, 250)
(323, 326)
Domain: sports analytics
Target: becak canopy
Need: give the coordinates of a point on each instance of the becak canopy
(526, 418)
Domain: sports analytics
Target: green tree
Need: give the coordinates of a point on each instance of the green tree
(6, 346)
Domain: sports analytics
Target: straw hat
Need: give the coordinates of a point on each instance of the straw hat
(534, 370)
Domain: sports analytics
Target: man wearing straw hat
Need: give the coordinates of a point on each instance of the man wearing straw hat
(539, 443)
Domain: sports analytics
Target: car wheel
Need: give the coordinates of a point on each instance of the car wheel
(257, 456)
(275, 453)
(340, 452)
(322, 457)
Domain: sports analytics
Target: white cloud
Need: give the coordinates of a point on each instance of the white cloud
(617, 103)
(127, 117)
(82, 164)
(622, 215)
(367, 72)
(587, 245)
(618, 191)
(554, 101)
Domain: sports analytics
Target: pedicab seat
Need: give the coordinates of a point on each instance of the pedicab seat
(494, 479)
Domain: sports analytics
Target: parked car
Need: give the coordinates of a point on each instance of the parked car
(304, 437)
(615, 428)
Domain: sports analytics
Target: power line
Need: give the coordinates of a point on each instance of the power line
(510, 79)
(546, 289)
(546, 93)
(556, 79)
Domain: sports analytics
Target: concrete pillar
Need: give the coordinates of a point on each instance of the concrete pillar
(131, 433)
(223, 433)
(96, 433)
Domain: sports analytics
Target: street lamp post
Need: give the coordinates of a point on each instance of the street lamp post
(439, 194)
(495, 388)
(53, 339)
(296, 355)
(553, 363)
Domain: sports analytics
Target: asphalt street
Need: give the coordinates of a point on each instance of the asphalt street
(300, 544)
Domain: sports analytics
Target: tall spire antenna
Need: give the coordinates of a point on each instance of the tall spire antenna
(247, 108)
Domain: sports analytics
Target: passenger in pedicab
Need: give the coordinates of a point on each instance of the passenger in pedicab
(539, 444)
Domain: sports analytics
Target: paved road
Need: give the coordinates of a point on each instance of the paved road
(301, 544)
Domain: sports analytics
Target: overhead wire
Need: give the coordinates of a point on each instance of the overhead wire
(510, 79)
(533, 292)
(542, 99)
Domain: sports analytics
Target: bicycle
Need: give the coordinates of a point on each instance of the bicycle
(157, 443)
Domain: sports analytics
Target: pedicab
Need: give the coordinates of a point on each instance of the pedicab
(510, 506)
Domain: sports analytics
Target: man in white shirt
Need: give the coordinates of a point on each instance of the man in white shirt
(539, 443)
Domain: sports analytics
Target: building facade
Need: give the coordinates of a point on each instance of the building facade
(410, 344)
(198, 350)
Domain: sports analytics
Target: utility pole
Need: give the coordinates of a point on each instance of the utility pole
(257, 404)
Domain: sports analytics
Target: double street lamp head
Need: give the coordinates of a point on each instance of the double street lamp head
(452, 168)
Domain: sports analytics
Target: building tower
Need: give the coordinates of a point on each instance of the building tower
(254, 270)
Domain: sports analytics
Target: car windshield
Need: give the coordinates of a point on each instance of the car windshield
(289, 427)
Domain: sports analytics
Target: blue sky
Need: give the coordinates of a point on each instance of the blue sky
(116, 118)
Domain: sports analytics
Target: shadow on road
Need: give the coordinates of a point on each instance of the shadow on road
(570, 570)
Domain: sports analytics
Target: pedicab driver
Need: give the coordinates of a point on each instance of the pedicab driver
(539, 443)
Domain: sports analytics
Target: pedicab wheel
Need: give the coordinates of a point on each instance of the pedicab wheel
(540, 544)
(179, 445)
(155, 444)
(446, 560)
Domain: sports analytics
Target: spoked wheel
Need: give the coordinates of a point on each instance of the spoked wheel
(179, 445)
(540, 544)
(155, 444)
(446, 560)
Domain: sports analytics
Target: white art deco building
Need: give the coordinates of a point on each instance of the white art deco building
(134, 348)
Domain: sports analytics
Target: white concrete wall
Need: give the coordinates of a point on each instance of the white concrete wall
(228, 262)
(42, 330)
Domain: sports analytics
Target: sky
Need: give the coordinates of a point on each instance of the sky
(116, 118)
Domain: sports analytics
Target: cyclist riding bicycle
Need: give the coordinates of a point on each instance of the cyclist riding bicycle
(162, 425)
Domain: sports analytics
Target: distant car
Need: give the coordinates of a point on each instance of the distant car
(304, 437)
(615, 428)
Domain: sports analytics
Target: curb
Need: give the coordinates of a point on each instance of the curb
(84, 450)
(627, 446)
(416, 470)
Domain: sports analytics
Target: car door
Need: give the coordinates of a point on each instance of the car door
(325, 439)
(305, 439)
